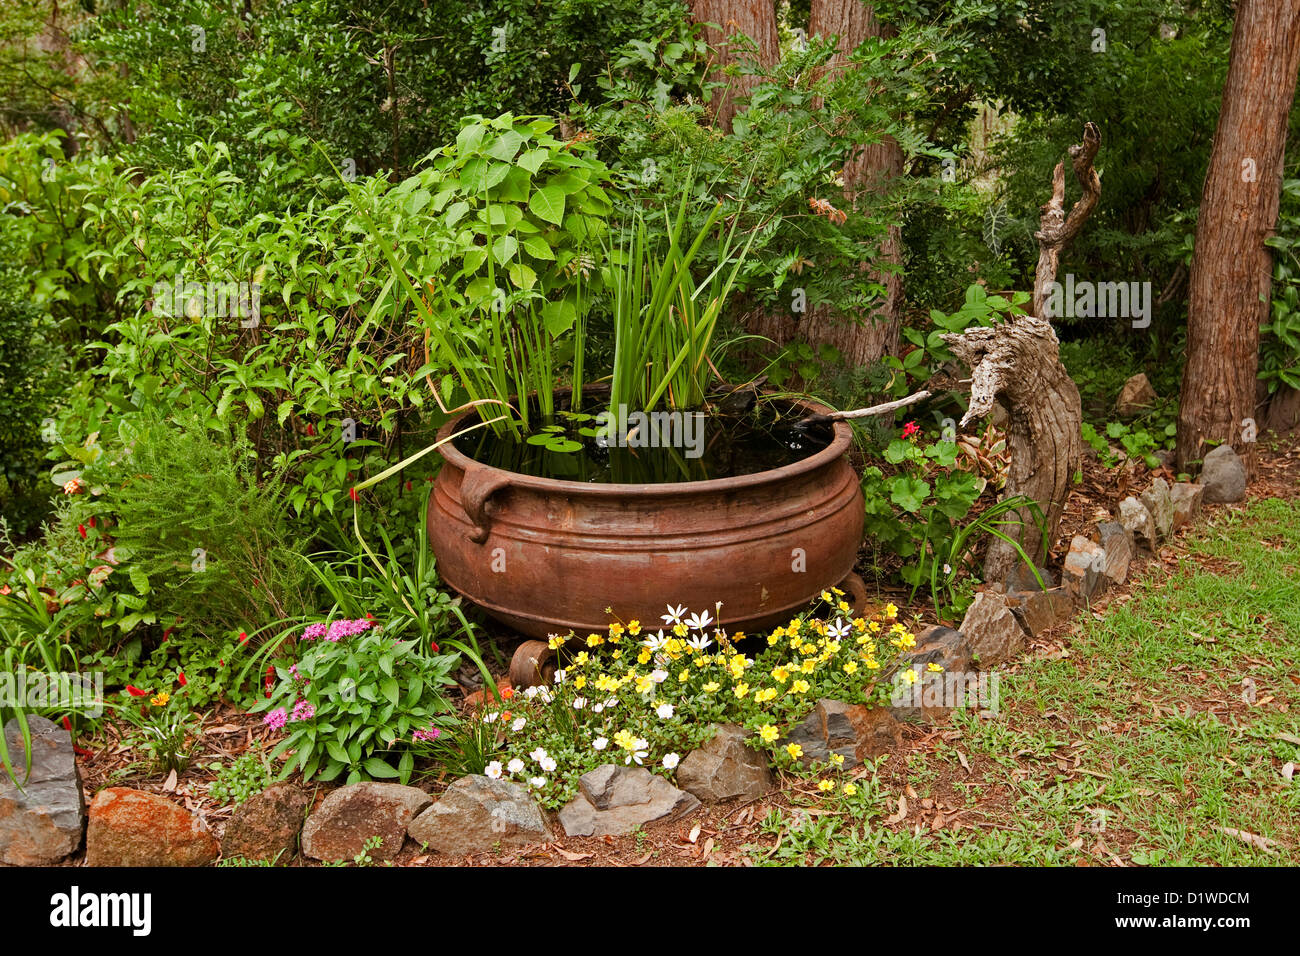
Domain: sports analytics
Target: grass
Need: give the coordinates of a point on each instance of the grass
(1142, 746)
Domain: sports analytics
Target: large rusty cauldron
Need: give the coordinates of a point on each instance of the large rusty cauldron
(545, 556)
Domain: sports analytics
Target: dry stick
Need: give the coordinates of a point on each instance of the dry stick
(819, 419)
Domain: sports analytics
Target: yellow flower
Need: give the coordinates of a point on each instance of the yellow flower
(702, 661)
(781, 674)
(683, 676)
(874, 627)
(933, 668)
(843, 607)
(741, 689)
(680, 629)
(711, 686)
(837, 759)
(644, 684)
(581, 659)
(764, 695)
(859, 624)
(160, 699)
(594, 640)
(644, 656)
(794, 750)
(808, 667)
(615, 629)
(851, 667)
(910, 676)
(850, 789)
(799, 687)
(873, 664)
(826, 596)
(768, 733)
(555, 642)
(634, 627)
(617, 654)
(580, 681)
(825, 786)
(624, 739)
(891, 611)
(606, 683)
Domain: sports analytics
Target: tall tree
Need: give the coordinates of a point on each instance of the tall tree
(1231, 267)
(860, 339)
(724, 22)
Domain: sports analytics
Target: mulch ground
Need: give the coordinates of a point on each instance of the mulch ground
(727, 834)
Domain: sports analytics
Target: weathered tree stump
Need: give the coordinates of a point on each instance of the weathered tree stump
(1018, 363)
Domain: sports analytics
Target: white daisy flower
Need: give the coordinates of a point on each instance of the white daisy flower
(538, 782)
(664, 711)
(493, 770)
(539, 754)
(560, 676)
(600, 743)
(490, 718)
(597, 708)
(671, 761)
(655, 642)
(699, 622)
(530, 693)
(674, 615)
(579, 703)
(699, 642)
(515, 765)
(659, 676)
(839, 629)
(547, 764)
(640, 750)
(519, 724)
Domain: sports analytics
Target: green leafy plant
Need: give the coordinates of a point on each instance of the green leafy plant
(353, 701)
(162, 726)
(244, 777)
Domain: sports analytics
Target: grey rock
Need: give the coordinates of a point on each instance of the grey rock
(1161, 506)
(614, 800)
(41, 822)
(1135, 397)
(725, 767)
(476, 814)
(1039, 610)
(1223, 476)
(1083, 573)
(853, 731)
(940, 645)
(1117, 549)
(1021, 578)
(1186, 498)
(265, 827)
(1137, 521)
(992, 630)
(339, 828)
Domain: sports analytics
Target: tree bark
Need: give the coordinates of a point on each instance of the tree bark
(1018, 363)
(1228, 295)
(755, 19)
(860, 340)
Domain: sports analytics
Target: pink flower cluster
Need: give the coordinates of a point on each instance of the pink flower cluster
(430, 735)
(304, 710)
(276, 719)
(337, 630)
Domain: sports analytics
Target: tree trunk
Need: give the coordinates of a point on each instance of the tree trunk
(860, 340)
(1228, 294)
(1018, 362)
(755, 19)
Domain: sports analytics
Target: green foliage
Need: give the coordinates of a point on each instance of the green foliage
(978, 309)
(1279, 353)
(352, 705)
(163, 726)
(244, 777)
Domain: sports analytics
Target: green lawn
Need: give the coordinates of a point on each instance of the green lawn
(1137, 748)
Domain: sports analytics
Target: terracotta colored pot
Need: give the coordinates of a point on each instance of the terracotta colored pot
(545, 556)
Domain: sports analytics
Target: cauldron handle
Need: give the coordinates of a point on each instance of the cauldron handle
(478, 485)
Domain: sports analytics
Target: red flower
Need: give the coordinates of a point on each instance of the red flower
(408, 485)
(910, 429)
(166, 634)
(270, 678)
(243, 638)
(92, 521)
(311, 429)
(180, 676)
(433, 645)
(81, 530)
(352, 493)
(136, 691)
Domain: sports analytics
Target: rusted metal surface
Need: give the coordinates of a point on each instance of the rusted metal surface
(545, 556)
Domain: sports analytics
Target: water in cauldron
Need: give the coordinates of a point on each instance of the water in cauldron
(663, 447)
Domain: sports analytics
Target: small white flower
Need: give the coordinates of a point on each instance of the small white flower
(609, 704)
(655, 642)
(699, 622)
(600, 743)
(560, 676)
(547, 764)
(640, 750)
(539, 754)
(530, 693)
(671, 761)
(493, 770)
(515, 765)
(658, 676)
(597, 708)
(674, 614)
(839, 629)
(519, 724)
(664, 711)
(699, 642)
(490, 718)
(579, 703)
(538, 782)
